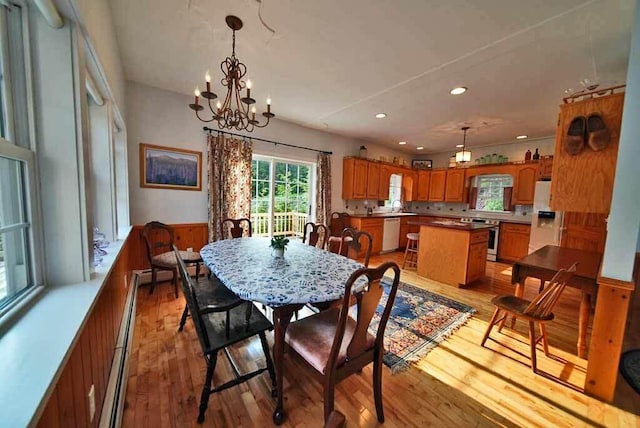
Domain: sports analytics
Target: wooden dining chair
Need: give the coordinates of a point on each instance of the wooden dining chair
(235, 228)
(538, 310)
(315, 235)
(334, 345)
(356, 244)
(158, 239)
(219, 329)
(337, 223)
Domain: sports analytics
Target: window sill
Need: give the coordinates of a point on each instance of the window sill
(36, 343)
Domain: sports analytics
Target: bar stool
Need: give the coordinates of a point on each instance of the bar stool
(412, 247)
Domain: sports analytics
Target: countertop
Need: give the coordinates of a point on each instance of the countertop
(470, 227)
(458, 216)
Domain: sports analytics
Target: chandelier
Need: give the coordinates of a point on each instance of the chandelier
(464, 155)
(234, 111)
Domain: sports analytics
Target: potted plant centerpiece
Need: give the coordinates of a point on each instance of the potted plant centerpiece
(279, 244)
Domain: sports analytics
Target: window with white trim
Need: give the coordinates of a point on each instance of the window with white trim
(18, 267)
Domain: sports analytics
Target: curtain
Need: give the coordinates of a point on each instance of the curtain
(323, 189)
(229, 180)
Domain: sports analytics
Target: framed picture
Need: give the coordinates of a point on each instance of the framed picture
(168, 168)
(421, 163)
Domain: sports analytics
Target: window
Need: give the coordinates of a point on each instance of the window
(493, 192)
(395, 190)
(281, 196)
(18, 270)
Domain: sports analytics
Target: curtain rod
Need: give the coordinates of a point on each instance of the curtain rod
(210, 130)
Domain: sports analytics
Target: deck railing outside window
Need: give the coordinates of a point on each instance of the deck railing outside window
(287, 224)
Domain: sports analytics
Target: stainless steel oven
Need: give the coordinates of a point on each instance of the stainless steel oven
(492, 250)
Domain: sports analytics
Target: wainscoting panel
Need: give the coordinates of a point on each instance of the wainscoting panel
(90, 359)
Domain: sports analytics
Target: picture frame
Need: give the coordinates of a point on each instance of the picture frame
(422, 163)
(164, 167)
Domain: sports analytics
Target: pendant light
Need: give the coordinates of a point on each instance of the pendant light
(464, 155)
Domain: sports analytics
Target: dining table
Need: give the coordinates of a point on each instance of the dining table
(304, 275)
(543, 265)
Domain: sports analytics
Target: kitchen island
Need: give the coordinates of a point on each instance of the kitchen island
(452, 252)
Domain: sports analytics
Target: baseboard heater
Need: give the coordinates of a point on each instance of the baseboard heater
(113, 406)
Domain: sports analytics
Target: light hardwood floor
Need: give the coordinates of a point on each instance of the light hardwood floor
(457, 384)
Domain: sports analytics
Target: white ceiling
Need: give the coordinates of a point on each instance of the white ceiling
(333, 64)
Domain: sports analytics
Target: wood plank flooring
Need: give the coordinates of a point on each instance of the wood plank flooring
(457, 384)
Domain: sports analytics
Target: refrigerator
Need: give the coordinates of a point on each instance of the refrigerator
(546, 225)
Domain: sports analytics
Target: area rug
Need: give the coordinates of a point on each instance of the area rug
(420, 321)
(630, 368)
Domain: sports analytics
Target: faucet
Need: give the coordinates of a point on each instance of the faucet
(393, 206)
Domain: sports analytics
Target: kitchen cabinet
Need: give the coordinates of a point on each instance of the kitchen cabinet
(454, 185)
(384, 181)
(354, 178)
(374, 226)
(545, 168)
(477, 263)
(513, 241)
(584, 231)
(437, 185)
(584, 182)
(524, 184)
(423, 185)
(409, 185)
(373, 180)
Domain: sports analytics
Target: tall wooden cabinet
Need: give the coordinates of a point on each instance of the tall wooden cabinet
(437, 185)
(454, 186)
(524, 184)
(584, 182)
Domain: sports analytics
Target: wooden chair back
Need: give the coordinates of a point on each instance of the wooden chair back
(192, 302)
(315, 235)
(361, 241)
(158, 238)
(368, 298)
(236, 228)
(338, 222)
(543, 304)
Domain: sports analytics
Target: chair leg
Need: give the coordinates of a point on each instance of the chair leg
(545, 342)
(183, 320)
(247, 316)
(174, 279)
(154, 277)
(532, 344)
(377, 385)
(206, 388)
(490, 327)
(329, 386)
(269, 361)
(406, 253)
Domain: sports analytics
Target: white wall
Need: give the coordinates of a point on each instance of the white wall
(514, 151)
(156, 116)
(624, 220)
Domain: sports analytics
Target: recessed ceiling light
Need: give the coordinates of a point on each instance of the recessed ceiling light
(419, 148)
(521, 137)
(459, 145)
(402, 143)
(381, 115)
(459, 90)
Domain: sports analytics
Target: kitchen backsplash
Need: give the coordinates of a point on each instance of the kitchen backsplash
(521, 212)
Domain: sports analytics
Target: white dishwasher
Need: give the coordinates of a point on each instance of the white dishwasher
(391, 234)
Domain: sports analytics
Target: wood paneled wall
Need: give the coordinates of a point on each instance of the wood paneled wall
(92, 355)
(186, 235)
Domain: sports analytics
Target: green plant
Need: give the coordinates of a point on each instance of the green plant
(279, 242)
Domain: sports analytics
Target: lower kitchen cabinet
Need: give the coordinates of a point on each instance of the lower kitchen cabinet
(374, 226)
(407, 228)
(513, 241)
(477, 260)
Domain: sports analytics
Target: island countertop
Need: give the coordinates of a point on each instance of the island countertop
(451, 224)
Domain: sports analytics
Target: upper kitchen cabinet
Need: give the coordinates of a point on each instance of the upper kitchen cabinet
(437, 185)
(524, 184)
(409, 185)
(584, 182)
(455, 184)
(373, 181)
(383, 182)
(354, 178)
(422, 189)
(545, 168)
